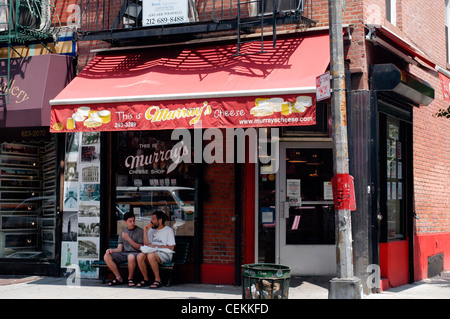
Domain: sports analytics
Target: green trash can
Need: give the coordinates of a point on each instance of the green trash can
(265, 281)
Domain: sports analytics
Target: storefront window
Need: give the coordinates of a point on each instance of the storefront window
(393, 177)
(148, 179)
(28, 174)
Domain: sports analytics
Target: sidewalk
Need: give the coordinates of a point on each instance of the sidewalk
(35, 287)
(432, 288)
(57, 288)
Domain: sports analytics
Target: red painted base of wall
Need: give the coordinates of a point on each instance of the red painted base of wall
(394, 264)
(394, 258)
(427, 245)
(215, 274)
(218, 274)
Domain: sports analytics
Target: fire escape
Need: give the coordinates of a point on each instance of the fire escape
(259, 14)
(23, 22)
(123, 22)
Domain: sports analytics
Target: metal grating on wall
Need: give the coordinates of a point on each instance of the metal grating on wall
(435, 265)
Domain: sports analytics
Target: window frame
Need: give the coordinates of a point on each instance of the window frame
(391, 11)
(404, 204)
(447, 32)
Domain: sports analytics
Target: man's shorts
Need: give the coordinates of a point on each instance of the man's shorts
(165, 257)
(122, 257)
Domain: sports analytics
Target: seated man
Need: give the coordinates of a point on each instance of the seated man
(159, 246)
(130, 240)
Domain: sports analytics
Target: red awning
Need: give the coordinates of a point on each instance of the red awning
(33, 81)
(173, 87)
(402, 45)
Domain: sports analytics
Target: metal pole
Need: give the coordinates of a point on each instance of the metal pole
(345, 286)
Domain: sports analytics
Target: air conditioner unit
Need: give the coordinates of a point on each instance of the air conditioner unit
(33, 14)
(4, 15)
(266, 6)
(132, 15)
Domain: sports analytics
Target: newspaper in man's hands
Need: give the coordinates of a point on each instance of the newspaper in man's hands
(147, 249)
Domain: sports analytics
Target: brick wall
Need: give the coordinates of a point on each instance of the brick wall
(423, 23)
(218, 226)
(62, 8)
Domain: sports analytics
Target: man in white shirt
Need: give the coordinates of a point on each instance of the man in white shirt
(159, 244)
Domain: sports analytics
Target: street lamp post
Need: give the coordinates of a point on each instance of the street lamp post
(346, 285)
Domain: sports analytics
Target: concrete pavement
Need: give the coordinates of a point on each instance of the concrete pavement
(35, 287)
(432, 288)
(32, 287)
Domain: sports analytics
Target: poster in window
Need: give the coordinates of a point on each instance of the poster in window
(90, 192)
(394, 190)
(70, 197)
(388, 169)
(295, 201)
(327, 191)
(388, 190)
(69, 254)
(86, 269)
(393, 169)
(293, 188)
(267, 215)
(88, 247)
(89, 209)
(81, 216)
(393, 131)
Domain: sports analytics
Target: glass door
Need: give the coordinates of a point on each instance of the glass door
(305, 204)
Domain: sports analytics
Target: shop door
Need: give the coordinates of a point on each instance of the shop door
(306, 230)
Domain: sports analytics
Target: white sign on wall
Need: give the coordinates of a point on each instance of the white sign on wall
(323, 86)
(160, 12)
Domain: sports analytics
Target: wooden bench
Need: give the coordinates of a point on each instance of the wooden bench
(179, 258)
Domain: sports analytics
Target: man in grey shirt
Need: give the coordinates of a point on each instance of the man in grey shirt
(130, 240)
